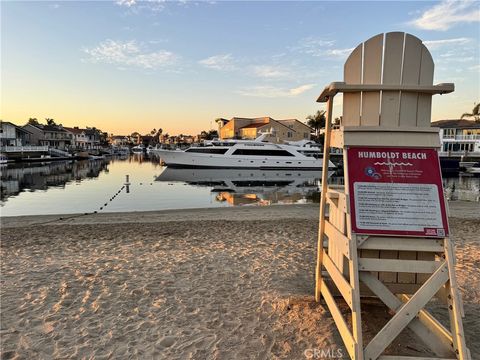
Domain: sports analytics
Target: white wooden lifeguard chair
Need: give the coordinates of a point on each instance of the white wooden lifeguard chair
(366, 251)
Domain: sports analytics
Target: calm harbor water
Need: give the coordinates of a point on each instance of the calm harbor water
(86, 186)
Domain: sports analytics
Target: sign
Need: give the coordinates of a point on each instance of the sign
(396, 191)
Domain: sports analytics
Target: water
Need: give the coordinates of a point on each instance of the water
(86, 186)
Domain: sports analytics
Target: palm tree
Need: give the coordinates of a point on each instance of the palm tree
(475, 113)
(50, 121)
(156, 136)
(317, 121)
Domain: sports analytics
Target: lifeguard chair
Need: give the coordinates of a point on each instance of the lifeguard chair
(386, 233)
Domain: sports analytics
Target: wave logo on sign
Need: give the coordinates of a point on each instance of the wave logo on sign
(393, 164)
(370, 171)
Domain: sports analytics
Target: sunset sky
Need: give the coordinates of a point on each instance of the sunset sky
(126, 65)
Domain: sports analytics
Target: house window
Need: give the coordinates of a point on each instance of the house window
(289, 134)
(449, 133)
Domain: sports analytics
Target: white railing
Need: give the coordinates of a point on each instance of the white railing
(58, 152)
(8, 149)
(459, 153)
(461, 137)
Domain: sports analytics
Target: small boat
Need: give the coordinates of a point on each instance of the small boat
(247, 154)
(138, 149)
(120, 150)
(3, 159)
(474, 169)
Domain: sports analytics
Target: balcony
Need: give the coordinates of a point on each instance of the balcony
(459, 153)
(461, 137)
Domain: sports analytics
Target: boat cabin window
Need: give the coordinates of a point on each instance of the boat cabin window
(261, 152)
(218, 143)
(207, 150)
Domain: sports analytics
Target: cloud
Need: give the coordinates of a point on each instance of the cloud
(435, 44)
(137, 5)
(270, 72)
(127, 3)
(222, 62)
(338, 53)
(274, 92)
(447, 14)
(320, 48)
(129, 53)
(313, 46)
(449, 51)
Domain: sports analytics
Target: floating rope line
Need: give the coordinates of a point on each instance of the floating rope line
(125, 186)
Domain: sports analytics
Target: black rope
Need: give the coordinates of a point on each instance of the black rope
(62, 218)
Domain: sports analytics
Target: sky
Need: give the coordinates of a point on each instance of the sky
(127, 65)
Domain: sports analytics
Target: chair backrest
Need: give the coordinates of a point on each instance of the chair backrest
(393, 58)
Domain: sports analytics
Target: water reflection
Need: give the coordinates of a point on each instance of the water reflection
(86, 186)
(42, 176)
(464, 187)
(248, 187)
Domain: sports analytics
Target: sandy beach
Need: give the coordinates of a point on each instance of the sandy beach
(226, 283)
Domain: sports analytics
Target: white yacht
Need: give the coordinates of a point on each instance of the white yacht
(246, 154)
(138, 149)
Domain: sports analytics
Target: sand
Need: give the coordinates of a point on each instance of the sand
(232, 283)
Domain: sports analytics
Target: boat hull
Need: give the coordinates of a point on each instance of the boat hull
(183, 159)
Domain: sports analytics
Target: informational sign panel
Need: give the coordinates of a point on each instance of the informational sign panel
(396, 191)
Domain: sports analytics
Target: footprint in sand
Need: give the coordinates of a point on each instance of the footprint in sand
(167, 341)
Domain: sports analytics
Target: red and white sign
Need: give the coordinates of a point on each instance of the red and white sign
(396, 191)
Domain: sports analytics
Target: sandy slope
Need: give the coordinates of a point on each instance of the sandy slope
(221, 283)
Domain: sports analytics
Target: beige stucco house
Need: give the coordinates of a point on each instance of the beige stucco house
(250, 128)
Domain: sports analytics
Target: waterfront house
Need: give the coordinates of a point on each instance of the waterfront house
(459, 138)
(119, 140)
(54, 136)
(13, 135)
(78, 137)
(93, 138)
(250, 128)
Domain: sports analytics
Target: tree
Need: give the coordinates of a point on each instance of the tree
(212, 134)
(32, 121)
(317, 121)
(475, 113)
(156, 135)
(50, 121)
